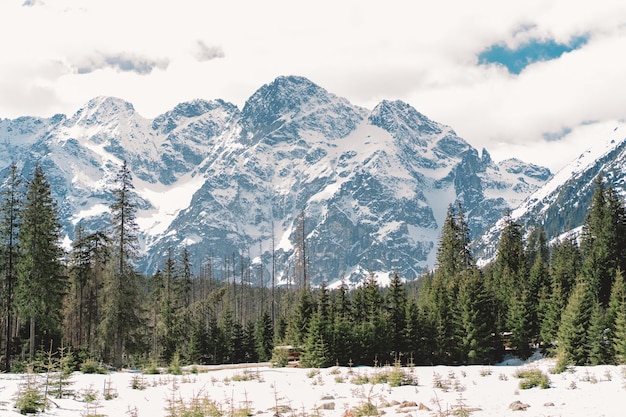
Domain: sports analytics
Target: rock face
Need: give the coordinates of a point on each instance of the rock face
(363, 190)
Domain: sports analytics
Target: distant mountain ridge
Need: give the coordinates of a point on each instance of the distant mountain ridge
(373, 186)
(561, 205)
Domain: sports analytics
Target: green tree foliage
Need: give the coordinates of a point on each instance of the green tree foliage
(563, 296)
(563, 269)
(264, 337)
(598, 337)
(316, 353)
(475, 319)
(299, 322)
(616, 319)
(602, 241)
(509, 271)
(11, 206)
(572, 336)
(41, 284)
(87, 261)
(396, 304)
(121, 295)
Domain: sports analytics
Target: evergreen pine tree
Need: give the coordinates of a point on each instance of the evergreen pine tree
(396, 299)
(223, 339)
(121, 316)
(616, 319)
(297, 326)
(551, 314)
(341, 339)
(572, 334)
(315, 353)
(509, 270)
(475, 321)
(413, 333)
(565, 266)
(198, 346)
(619, 337)
(599, 244)
(250, 343)
(598, 337)
(168, 323)
(538, 287)
(237, 343)
(11, 205)
(264, 337)
(519, 322)
(41, 285)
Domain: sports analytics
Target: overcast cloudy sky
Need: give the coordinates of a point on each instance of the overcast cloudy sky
(535, 79)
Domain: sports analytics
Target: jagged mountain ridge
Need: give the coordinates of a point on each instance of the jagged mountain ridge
(561, 205)
(373, 185)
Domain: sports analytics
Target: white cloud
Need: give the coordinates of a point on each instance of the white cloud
(156, 54)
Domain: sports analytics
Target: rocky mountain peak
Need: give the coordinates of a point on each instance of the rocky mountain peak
(289, 105)
(404, 122)
(101, 110)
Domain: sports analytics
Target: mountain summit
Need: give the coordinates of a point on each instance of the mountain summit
(297, 168)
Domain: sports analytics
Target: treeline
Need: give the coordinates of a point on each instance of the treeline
(567, 298)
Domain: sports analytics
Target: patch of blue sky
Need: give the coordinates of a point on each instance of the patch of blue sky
(536, 50)
(554, 136)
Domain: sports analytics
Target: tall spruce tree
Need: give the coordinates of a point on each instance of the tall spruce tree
(599, 345)
(396, 300)
(565, 267)
(41, 284)
(121, 316)
(11, 205)
(600, 243)
(454, 260)
(509, 271)
(616, 319)
(573, 348)
(264, 337)
(454, 254)
(475, 319)
(316, 353)
(89, 255)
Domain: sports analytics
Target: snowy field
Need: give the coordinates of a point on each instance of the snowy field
(338, 391)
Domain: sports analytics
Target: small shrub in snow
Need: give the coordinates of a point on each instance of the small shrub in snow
(92, 367)
(531, 378)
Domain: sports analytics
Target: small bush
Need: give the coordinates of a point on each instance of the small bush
(365, 409)
(360, 380)
(531, 378)
(174, 368)
(280, 358)
(92, 367)
(312, 373)
(30, 399)
(247, 376)
(399, 377)
(152, 369)
(138, 382)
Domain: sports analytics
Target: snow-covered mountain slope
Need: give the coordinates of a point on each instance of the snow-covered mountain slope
(562, 203)
(373, 186)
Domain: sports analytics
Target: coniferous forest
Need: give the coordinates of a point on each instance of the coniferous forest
(567, 298)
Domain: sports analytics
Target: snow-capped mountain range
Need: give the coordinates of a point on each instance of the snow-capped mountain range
(373, 185)
(561, 205)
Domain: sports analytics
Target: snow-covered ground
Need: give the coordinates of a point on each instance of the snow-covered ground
(266, 391)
